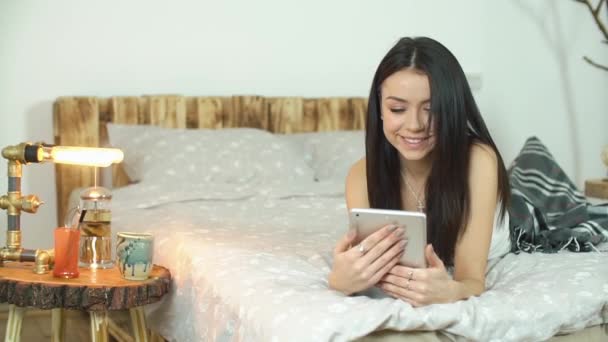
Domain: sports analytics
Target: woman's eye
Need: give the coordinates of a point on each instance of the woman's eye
(426, 109)
(397, 110)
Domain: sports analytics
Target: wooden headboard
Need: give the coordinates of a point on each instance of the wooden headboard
(81, 121)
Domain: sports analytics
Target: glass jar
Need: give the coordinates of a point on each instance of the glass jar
(94, 217)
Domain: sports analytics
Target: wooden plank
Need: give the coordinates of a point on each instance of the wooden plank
(104, 104)
(358, 108)
(60, 195)
(57, 129)
(123, 110)
(210, 111)
(191, 112)
(176, 112)
(248, 111)
(227, 110)
(167, 111)
(158, 111)
(310, 118)
(344, 113)
(597, 188)
(334, 114)
(77, 119)
(285, 114)
(327, 121)
(143, 117)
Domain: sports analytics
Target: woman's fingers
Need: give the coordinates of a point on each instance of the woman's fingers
(380, 243)
(432, 258)
(372, 240)
(351, 271)
(420, 288)
(382, 271)
(386, 257)
(409, 272)
(406, 293)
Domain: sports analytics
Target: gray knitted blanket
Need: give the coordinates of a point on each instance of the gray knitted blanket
(547, 212)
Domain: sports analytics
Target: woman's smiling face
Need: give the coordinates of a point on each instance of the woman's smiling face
(406, 105)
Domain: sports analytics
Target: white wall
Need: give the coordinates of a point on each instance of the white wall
(306, 48)
(536, 83)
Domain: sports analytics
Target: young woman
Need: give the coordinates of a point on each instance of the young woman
(427, 149)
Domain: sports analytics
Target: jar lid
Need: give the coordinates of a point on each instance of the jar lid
(96, 193)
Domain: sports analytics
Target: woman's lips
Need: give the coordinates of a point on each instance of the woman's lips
(414, 143)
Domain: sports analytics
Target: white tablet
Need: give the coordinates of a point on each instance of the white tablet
(367, 221)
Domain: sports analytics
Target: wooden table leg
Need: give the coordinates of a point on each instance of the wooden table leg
(138, 321)
(156, 337)
(118, 333)
(99, 326)
(58, 325)
(13, 325)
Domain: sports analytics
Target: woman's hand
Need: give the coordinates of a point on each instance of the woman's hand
(421, 286)
(362, 266)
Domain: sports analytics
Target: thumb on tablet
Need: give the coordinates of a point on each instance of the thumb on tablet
(432, 258)
(345, 242)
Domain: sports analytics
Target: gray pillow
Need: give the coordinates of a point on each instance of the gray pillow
(225, 156)
(329, 154)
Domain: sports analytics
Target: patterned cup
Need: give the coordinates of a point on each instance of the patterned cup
(134, 253)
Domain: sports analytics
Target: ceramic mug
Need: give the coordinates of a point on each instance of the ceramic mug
(134, 254)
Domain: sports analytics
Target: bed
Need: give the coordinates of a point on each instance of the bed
(248, 239)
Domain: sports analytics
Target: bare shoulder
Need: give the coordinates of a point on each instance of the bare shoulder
(483, 169)
(356, 186)
(358, 170)
(483, 157)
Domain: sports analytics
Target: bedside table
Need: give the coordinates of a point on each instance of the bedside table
(94, 291)
(597, 188)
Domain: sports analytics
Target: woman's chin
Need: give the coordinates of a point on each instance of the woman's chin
(413, 155)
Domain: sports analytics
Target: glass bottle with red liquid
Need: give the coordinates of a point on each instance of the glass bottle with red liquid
(66, 252)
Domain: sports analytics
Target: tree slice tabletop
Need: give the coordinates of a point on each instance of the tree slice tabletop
(93, 290)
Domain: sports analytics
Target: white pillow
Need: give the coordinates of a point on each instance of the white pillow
(224, 156)
(131, 139)
(329, 154)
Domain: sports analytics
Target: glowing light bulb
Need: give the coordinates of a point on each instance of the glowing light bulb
(86, 156)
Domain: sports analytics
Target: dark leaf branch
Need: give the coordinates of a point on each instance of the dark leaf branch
(595, 12)
(597, 65)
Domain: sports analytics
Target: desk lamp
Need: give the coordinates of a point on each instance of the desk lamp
(14, 202)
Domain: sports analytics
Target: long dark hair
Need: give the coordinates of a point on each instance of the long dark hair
(457, 123)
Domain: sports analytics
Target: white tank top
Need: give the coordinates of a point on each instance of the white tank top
(501, 241)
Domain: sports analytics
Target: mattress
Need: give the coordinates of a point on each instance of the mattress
(255, 269)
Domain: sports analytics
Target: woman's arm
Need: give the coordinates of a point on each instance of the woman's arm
(471, 252)
(433, 285)
(356, 186)
(354, 270)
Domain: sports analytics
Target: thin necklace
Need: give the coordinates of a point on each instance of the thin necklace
(420, 203)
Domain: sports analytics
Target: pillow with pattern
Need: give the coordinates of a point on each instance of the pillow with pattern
(224, 156)
(329, 154)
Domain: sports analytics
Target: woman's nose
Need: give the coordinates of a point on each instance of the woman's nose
(413, 121)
